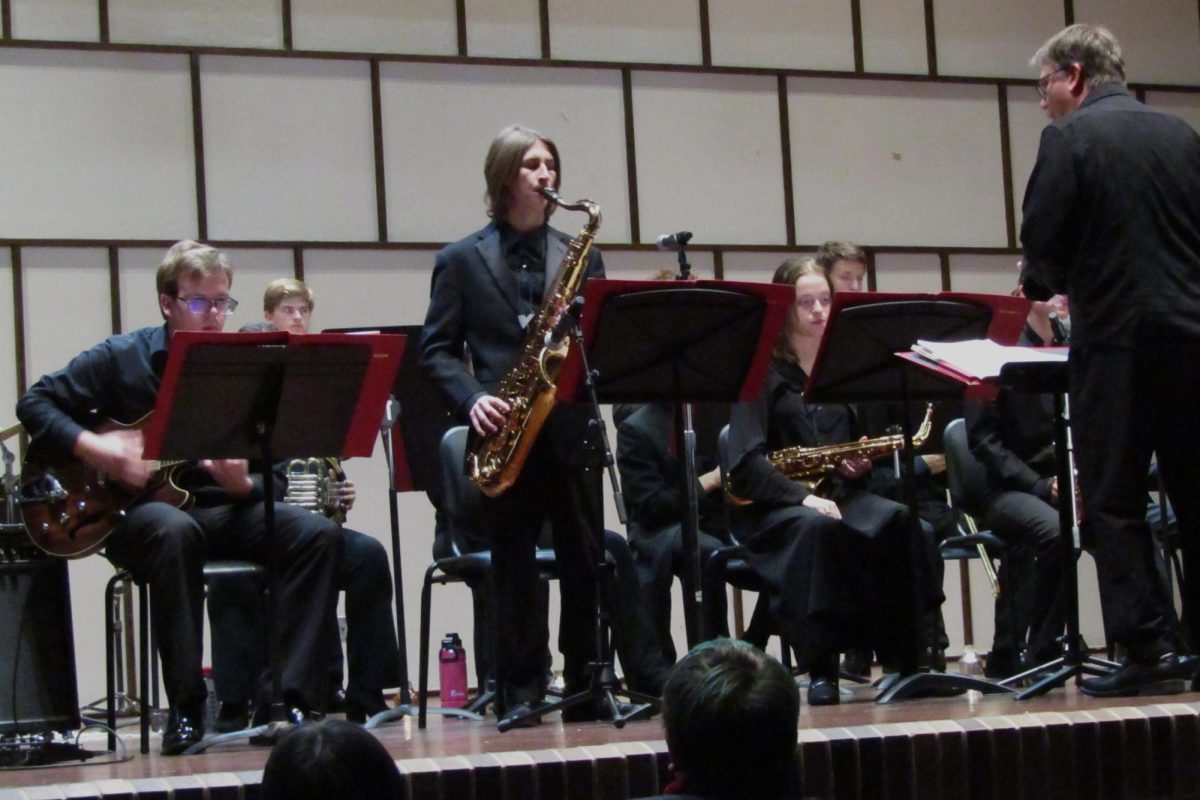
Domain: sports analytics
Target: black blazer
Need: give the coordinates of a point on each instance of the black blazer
(474, 304)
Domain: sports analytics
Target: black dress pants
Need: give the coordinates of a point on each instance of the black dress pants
(167, 548)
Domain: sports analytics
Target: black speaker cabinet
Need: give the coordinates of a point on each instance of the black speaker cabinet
(37, 646)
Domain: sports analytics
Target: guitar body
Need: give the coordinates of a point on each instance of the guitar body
(70, 508)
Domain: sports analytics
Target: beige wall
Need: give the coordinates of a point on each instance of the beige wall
(777, 104)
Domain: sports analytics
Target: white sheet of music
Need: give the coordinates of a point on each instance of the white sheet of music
(982, 358)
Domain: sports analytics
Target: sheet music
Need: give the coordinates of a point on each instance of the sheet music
(982, 358)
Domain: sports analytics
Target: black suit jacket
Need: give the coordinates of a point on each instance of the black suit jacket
(1112, 217)
(474, 304)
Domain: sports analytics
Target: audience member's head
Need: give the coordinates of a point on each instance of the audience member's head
(288, 305)
(730, 713)
(330, 760)
(846, 264)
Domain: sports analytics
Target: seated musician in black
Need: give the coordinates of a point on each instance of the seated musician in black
(234, 601)
(838, 566)
(167, 546)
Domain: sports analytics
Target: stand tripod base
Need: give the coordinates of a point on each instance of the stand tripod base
(18, 754)
(1055, 673)
(939, 684)
(602, 693)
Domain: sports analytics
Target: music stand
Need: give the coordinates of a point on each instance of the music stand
(264, 397)
(1039, 378)
(857, 362)
(413, 411)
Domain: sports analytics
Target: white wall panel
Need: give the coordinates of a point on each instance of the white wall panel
(907, 272)
(793, 34)
(64, 20)
(642, 265)
(896, 163)
(288, 149)
(225, 23)
(8, 352)
(708, 157)
(665, 31)
(756, 266)
(438, 121)
(504, 28)
(1184, 106)
(46, 271)
(989, 274)
(95, 145)
(1026, 121)
(893, 33)
(992, 39)
(414, 26)
(1158, 37)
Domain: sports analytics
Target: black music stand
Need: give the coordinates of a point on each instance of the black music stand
(413, 410)
(713, 340)
(680, 342)
(1040, 377)
(264, 397)
(857, 361)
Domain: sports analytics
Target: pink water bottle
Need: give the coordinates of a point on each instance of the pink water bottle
(452, 672)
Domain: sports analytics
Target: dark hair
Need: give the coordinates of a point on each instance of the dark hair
(832, 252)
(330, 759)
(788, 273)
(503, 163)
(731, 713)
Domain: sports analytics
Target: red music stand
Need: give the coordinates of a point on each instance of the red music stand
(270, 396)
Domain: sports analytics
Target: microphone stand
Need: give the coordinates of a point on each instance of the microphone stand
(685, 439)
(405, 708)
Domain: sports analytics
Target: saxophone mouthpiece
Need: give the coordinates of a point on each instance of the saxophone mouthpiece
(550, 194)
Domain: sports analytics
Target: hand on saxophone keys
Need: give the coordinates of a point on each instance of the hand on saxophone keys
(488, 414)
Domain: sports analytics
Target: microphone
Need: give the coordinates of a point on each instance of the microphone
(674, 241)
(566, 323)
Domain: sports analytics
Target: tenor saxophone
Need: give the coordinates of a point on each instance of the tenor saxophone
(810, 465)
(494, 461)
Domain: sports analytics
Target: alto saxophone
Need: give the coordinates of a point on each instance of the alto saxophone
(494, 461)
(811, 465)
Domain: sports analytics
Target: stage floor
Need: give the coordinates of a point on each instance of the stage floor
(449, 745)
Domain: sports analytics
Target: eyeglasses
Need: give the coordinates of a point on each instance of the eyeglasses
(202, 305)
(1044, 82)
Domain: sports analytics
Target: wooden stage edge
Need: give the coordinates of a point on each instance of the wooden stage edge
(1061, 745)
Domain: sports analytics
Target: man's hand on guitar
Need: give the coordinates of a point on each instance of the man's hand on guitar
(117, 454)
(232, 473)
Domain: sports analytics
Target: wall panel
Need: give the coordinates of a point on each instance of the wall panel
(95, 145)
(643, 265)
(794, 34)
(708, 157)
(505, 28)
(288, 150)
(1184, 106)
(756, 266)
(893, 34)
(414, 26)
(908, 272)
(992, 39)
(1026, 121)
(222, 23)
(665, 31)
(440, 119)
(990, 274)
(1158, 37)
(8, 353)
(896, 163)
(73, 282)
(71, 20)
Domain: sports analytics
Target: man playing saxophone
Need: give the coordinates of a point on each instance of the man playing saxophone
(838, 567)
(486, 289)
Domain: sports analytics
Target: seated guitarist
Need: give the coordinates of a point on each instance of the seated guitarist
(165, 545)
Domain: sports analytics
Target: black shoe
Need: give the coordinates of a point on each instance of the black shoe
(519, 716)
(823, 692)
(293, 715)
(1162, 675)
(1001, 664)
(183, 731)
(359, 710)
(337, 701)
(232, 716)
(857, 662)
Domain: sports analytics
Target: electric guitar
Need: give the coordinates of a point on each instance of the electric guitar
(69, 508)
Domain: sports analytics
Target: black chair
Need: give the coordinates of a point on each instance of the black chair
(147, 652)
(455, 564)
(967, 479)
